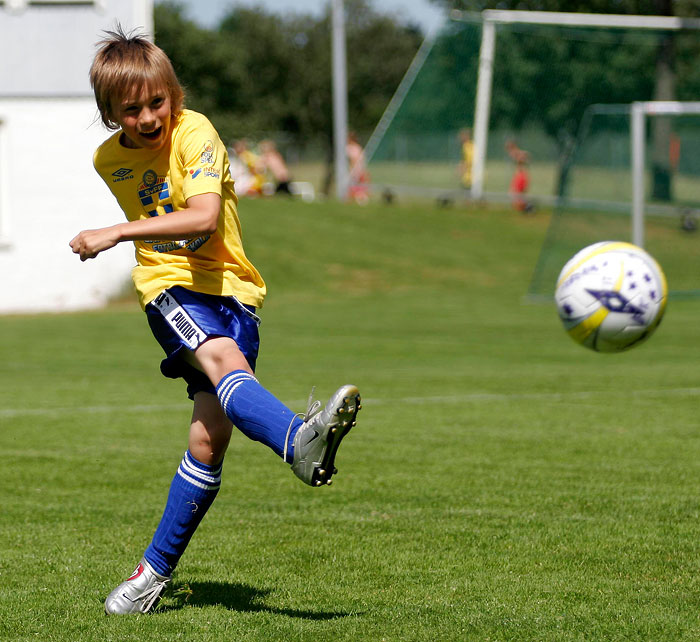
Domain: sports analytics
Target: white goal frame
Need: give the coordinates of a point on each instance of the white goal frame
(639, 112)
(492, 17)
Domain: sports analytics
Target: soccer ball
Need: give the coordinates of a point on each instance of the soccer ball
(611, 296)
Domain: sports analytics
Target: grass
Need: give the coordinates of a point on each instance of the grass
(586, 183)
(445, 176)
(502, 483)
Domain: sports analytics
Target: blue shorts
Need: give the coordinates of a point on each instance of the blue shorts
(182, 319)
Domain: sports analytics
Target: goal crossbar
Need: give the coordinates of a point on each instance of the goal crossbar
(492, 17)
(604, 20)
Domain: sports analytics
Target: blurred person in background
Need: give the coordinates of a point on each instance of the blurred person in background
(254, 167)
(520, 182)
(275, 166)
(358, 190)
(467, 159)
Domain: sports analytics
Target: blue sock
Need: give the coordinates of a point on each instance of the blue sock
(192, 492)
(257, 413)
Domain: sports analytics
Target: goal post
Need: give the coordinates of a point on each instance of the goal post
(639, 113)
(492, 17)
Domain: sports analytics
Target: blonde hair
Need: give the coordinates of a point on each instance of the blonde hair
(127, 61)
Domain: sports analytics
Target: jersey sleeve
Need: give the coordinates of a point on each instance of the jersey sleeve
(202, 155)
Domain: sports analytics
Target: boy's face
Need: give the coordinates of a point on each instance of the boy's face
(144, 117)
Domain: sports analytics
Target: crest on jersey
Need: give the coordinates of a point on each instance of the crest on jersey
(207, 156)
(154, 193)
(150, 178)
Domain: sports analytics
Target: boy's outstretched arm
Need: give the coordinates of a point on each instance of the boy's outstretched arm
(200, 217)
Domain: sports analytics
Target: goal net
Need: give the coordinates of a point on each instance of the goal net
(415, 149)
(521, 76)
(634, 175)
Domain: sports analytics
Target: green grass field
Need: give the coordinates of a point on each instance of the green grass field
(502, 483)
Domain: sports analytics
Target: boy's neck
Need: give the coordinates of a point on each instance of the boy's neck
(125, 141)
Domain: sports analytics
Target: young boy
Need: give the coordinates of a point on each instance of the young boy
(169, 172)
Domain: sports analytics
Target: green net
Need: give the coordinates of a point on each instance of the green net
(545, 78)
(420, 149)
(595, 201)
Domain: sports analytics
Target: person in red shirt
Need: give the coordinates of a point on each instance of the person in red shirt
(520, 182)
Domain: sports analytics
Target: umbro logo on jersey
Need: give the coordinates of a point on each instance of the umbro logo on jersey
(122, 174)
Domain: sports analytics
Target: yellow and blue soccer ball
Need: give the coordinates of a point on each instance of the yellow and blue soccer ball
(611, 296)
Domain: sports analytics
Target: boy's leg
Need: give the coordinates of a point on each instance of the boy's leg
(194, 486)
(192, 492)
(309, 442)
(257, 413)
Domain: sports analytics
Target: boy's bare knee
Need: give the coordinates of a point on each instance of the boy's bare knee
(210, 430)
(218, 356)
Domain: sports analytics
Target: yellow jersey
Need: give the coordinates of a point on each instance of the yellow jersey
(154, 183)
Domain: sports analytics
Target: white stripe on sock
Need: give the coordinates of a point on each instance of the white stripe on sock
(191, 469)
(229, 385)
(195, 482)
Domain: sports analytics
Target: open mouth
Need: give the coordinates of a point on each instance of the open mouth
(152, 136)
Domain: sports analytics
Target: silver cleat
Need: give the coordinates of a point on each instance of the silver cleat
(139, 594)
(317, 440)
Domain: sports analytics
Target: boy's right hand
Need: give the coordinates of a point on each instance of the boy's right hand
(89, 243)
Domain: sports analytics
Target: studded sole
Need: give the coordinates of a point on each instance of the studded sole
(347, 413)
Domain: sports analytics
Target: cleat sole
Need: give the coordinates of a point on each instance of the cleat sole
(346, 418)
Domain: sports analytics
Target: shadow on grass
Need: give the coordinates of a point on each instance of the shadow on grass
(235, 597)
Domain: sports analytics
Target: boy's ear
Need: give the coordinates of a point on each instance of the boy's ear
(110, 112)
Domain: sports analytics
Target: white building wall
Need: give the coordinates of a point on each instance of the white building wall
(50, 192)
(50, 44)
(49, 130)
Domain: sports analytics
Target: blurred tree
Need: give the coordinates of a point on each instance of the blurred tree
(261, 74)
(213, 77)
(686, 8)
